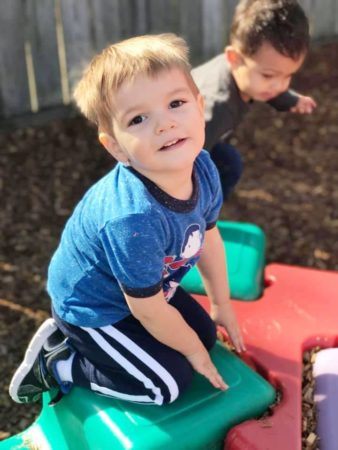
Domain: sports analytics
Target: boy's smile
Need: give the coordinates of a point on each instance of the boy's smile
(158, 124)
(172, 144)
(264, 75)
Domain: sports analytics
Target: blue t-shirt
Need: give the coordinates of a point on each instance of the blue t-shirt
(127, 235)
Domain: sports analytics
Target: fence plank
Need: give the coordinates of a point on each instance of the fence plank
(214, 33)
(190, 27)
(14, 91)
(323, 17)
(139, 13)
(134, 17)
(229, 13)
(163, 16)
(106, 22)
(78, 36)
(118, 19)
(42, 36)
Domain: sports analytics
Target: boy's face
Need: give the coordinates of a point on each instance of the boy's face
(264, 75)
(158, 123)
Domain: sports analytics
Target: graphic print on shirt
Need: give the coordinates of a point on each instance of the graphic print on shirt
(175, 267)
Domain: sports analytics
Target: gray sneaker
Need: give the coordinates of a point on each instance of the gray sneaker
(35, 374)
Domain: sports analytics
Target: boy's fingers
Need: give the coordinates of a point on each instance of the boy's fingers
(215, 378)
(243, 347)
(237, 340)
(222, 384)
(239, 345)
(217, 381)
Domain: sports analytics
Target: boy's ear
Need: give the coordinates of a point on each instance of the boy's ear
(233, 56)
(112, 147)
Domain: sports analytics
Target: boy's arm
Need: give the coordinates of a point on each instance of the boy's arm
(167, 325)
(212, 265)
(294, 102)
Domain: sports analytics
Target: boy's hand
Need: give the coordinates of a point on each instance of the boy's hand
(202, 363)
(305, 105)
(224, 315)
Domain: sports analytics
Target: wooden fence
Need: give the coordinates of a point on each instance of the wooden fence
(44, 44)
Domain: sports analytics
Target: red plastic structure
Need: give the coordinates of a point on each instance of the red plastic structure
(298, 311)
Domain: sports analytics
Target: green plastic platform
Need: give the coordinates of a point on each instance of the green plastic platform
(199, 420)
(245, 249)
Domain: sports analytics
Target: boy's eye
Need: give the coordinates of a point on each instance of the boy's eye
(176, 103)
(268, 76)
(136, 120)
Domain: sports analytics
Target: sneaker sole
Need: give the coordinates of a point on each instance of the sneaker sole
(46, 329)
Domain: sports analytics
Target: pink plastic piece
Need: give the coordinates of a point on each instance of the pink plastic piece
(325, 371)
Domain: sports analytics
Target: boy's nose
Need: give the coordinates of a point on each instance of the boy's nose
(165, 124)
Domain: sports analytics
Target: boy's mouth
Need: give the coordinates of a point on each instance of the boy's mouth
(173, 144)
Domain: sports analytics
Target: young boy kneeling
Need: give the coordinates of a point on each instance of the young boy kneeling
(121, 324)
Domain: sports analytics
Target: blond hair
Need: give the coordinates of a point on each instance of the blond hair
(121, 62)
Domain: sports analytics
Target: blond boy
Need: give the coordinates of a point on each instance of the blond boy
(121, 324)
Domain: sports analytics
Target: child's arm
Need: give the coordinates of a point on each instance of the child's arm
(294, 102)
(212, 266)
(167, 325)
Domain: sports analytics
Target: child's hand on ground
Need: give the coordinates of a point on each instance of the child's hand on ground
(224, 315)
(305, 105)
(202, 363)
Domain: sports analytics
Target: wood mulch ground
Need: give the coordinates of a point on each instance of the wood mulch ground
(289, 188)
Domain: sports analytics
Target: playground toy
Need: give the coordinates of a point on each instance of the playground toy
(198, 420)
(297, 311)
(244, 244)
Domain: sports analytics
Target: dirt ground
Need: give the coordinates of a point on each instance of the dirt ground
(289, 188)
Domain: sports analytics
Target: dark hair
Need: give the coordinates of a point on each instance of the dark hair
(281, 23)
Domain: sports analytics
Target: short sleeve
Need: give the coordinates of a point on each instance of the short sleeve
(215, 207)
(134, 246)
(211, 186)
(285, 101)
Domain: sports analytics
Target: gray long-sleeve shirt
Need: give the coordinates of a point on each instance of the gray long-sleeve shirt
(224, 106)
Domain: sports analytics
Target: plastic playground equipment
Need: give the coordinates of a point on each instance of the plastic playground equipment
(296, 311)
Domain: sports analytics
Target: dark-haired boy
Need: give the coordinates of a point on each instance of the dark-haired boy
(269, 40)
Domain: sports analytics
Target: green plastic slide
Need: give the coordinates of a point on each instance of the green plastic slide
(199, 419)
